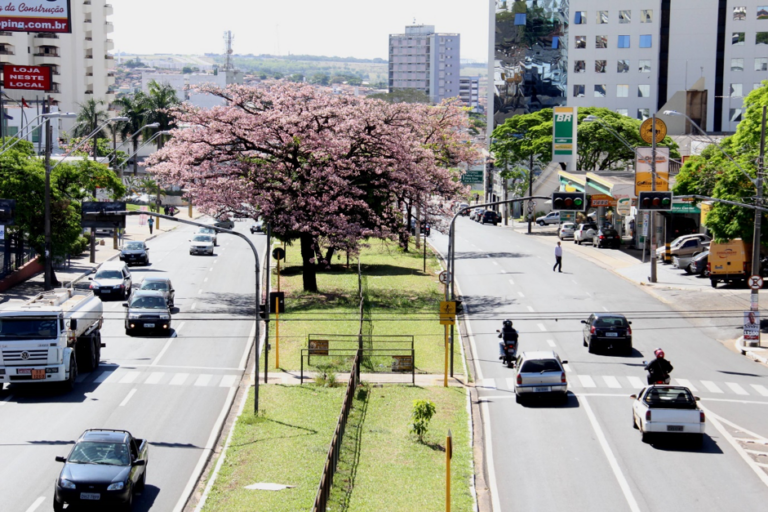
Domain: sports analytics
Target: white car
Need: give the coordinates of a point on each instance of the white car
(540, 373)
(550, 218)
(201, 244)
(667, 409)
(210, 232)
(566, 230)
(584, 233)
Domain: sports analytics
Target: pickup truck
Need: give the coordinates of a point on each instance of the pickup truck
(667, 409)
(550, 218)
(105, 468)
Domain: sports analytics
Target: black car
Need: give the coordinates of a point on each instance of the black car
(148, 311)
(491, 217)
(609, 331)
(698, 264)
(607, 237)
(135, 253)
(105, 468)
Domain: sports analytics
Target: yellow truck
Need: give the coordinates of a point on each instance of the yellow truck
(729, 262)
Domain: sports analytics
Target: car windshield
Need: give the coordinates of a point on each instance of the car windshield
(109, 274)
(148, 303)
(207, 230)
(28, 328)
(112, 454)
(673, 397)
(540, 366)
(611, 232)
(154, 285)
(202, 238)
(134, 246)
(610, 321)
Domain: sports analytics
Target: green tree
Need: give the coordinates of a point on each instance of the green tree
(90, 117)
(136, 108)
(319, 79)
(296, 77)
(161, 100)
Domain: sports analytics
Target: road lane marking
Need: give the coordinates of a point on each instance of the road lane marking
(611, 382)
(178, 379)
(530, 309)
(686, 383)
(247, 349)
(80, 378)
(711, 386)
(177, 329)
(566, 366)
(194, 305)
(495, 263)
(199, 291)
(211, 269)
(39, 501)
(205, 280)
(605, 308)
(512, 282)
(635, 382)
(165, 347)
(503, 271)
(760, 389)
(521, 294)
(203, 380)
(129, 378)
(587, 381)
(552, 344)
(227, 381)
(214, 261)
(736, 388)
(574, 281)
(633, 506)
(542, 327)
(489, 383)
(130, 394)
(154, 377)
(104, 376)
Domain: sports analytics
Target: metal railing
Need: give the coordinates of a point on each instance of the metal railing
(332, 460)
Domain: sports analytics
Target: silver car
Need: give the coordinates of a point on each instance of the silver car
(210, 232)
(566, 230)
(201, 244)
(540, 374)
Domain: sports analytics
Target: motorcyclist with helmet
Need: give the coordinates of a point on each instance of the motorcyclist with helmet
(509, 336)
(658, 369)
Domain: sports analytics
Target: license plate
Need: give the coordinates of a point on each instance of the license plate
(38, 374)
(546, 389)
(611, 334)
(105, 291)
(674, 428)
(24, 371)
(149, 326)
(90, 496)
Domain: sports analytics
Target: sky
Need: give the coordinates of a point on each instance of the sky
(342, 28)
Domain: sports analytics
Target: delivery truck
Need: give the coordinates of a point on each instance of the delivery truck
(729, 262)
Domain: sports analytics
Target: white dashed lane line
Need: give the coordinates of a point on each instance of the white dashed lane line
(127, 398)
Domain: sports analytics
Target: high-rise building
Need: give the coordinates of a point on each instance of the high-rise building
(80, 62)
(427, 61)
(469, 92)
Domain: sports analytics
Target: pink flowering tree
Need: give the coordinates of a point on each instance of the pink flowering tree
(327, 170)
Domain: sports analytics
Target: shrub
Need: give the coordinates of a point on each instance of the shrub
(423, 410)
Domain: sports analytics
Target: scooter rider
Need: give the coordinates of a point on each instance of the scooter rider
(658, 369)
(508, 335)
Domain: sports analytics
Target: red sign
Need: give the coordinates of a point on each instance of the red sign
(28, 78)
(35, 16)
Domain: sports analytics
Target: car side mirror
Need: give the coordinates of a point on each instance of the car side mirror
(146, 248)
(564, 362)
(498, 330)
(90, 278)
(634, 397)
(697, 398)
(645, 362)
(583, 321)
(140, 462)
(173, 290)
(125, 304)
(61, 459)
(630, 323)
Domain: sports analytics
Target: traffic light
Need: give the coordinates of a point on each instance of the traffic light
(569, 201)
(660, 201)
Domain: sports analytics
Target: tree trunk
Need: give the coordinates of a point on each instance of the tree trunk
(329, 257)
(135, 156)
(408, 225)
(309, 274)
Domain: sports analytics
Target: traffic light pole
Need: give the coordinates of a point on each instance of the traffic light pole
(652, 214)
(758, 216)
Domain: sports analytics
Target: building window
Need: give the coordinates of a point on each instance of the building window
(580, 66)
(622, 66)
(602, 17)
(580, 18)
(623, 41)
(762, 12)
(738, 39)
(761, 64)
(646, 16)
(622, 111)
(643, 113)
(737, 64)
(556, 42)
(739, 13)
(578, 91)
(644, 66)
(625, 16)
(520, 19)
(601, 41)
(600, 66)
(643, 91)
(646, 41)
(734, 115)
(600, 91)
(581, 41)
(622, 91)
(736, 91)
(761, 38)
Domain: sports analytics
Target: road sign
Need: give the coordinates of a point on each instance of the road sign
(447, 312)
(445, 278)
(97, 214)
(755, 282)
(278, 253)
(647, 130)
(472, 176)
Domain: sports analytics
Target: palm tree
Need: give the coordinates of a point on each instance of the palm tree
(136, 108)
(162, 97)
(89, 118)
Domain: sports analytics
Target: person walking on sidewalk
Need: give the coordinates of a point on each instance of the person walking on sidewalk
(151, 223)
(558, 258)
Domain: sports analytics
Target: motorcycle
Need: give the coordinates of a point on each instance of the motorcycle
(651, 381)
(510, 352)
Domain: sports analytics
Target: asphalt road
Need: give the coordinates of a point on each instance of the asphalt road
(171, 390)
(585, 455)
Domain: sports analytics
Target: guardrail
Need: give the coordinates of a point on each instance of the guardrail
(329, 470)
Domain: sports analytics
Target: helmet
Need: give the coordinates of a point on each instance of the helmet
(659, 353)
(507, 323)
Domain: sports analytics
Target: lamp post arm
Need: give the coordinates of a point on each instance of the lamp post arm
(79, 144)
(724, 201)
(20, 136)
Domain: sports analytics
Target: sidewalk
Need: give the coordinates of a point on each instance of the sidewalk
(81, 266)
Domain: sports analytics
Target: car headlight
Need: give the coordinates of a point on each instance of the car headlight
(117, 486)
(66, 484)
(133, 317)
(164, 317)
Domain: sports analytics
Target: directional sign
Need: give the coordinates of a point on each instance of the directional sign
(755, 282)
(648, 129)
(447, 312)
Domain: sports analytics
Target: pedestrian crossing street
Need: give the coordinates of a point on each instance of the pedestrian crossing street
(159, 378)
(631, 383)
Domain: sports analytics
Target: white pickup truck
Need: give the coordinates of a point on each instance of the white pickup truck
(667, 409)
(51, 337)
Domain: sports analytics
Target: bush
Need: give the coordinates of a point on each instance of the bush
(423, 410)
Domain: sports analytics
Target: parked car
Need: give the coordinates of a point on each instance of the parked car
(478, 214)
(112, 279)
(607, 330)
(201, 244)
(698, 264)
(135, 252)
(606, 237)
(257, 226)
(584, 233)
(667, 410)
(540, 374)
(689, 248)
(550, 218)
(679, 240)
(491, 217)
(147, 310)
(160, 284)
(566, 230)
(682, 262)
(105, 468)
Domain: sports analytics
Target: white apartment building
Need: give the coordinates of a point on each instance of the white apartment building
(80, 62)
(424, 60)
(469, 92)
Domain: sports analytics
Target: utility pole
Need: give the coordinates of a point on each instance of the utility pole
(758, 215)
(530, 193)
(48, 248)
(652, 214)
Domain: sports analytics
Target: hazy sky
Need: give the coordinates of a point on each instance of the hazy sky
(344, 28)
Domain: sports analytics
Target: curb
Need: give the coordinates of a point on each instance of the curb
(745, 351)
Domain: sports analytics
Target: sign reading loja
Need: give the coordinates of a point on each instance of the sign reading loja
(28, 78)
(35, 16)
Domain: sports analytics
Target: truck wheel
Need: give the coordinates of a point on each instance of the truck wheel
(86, 353)
(713, 282)
(69, 384)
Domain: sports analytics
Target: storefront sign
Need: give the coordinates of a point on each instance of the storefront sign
(597, 200)
(643, 175)
(35, 16)
(564, 134)
(624, 206)
(27, 78)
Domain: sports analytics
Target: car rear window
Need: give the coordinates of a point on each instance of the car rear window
(611, 232)
(673, 398)
(540, 366)
(610, 321)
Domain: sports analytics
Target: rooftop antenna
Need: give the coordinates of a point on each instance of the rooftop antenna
(228, 38)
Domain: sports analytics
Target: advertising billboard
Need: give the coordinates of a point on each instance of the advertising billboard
(35, 16)
(27, 78)
(564, 134)
(97, 215)
(643, 179)
(751, 327)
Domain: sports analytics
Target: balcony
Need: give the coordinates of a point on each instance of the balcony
(109, 27)
(6, 49)
(108, 10)
(110, 79)
(87, 7)
(54, 88)
(109, 45)
(88, 55)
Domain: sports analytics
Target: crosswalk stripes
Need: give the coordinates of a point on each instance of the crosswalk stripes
(587, 381)
(612, 382)
(178, 379)
(227, 381)
(154, 377)
(686, 383)
(736, 388)
(129, 378)
(489, 383)
(121, 376)
(760, 389)
(711, 386)
(635, 382)
(203, 380)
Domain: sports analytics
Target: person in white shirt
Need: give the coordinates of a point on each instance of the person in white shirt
(558, 258)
